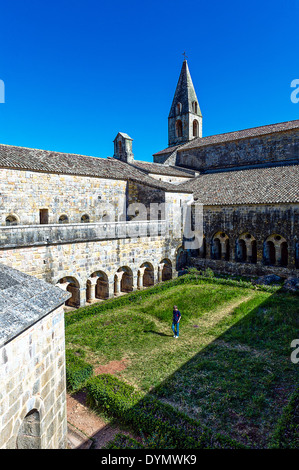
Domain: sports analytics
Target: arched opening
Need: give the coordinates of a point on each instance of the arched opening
(166, 273)
(220, 247)
(70, 284)
(29, 435)
(179, 128)
(195, 128)
(123, 280)
(269, 256)
(276, 251)
(148, 274)
(246, 248)
(181, 259)
(241, 251)
(85, 219)
(63, 219)
(216, 248)
(179, 108)
(119, 146)
(11, 220)
(194, 107)
(97, 286)
(126, 284)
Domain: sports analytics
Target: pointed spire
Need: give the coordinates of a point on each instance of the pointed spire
(185, 93)
(185, 118)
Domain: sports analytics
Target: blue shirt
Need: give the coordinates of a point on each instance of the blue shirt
(176, 316)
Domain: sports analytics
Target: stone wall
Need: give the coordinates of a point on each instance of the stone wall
(278, 147)
(260, 222)
(80, 260)
(24, 193)
(32, 388)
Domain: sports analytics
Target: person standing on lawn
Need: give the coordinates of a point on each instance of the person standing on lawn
(175, 321)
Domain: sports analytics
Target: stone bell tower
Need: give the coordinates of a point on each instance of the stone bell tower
(185, 118)
(123, 148)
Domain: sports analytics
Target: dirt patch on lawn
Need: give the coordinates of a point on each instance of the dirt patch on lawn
(112, 367)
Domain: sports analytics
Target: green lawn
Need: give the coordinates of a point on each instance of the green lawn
(230, 369)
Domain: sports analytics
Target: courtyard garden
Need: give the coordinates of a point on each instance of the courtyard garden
(226, 382)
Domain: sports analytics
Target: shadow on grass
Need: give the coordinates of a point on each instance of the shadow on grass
(240, 382)
(157, 333)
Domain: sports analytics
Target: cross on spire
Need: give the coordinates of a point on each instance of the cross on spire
(184, 54)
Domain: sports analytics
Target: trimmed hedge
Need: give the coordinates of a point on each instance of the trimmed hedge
(149, 416)
(138, 296)
(122, 441)
(77, 371)
(286, 435)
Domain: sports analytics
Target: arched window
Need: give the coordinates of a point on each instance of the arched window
(276, 251)
(85, 218)
(63, 219)
(246, 248)
(179, 108)
(194, 106)
(119, 146)
(29, 435)
(179, 128)
(220, 247)
(11, 220)
(195, 128)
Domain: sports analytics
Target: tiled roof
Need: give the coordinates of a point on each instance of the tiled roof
(45, 161)
(160, 169)
(278, 184)
(237, 135)
(24, 300)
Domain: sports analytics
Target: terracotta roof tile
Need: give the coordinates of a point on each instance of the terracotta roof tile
(271, 185)
(46, 161)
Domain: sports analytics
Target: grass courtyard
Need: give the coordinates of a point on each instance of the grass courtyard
(230, 369)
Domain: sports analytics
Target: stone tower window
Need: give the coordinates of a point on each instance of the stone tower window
(179, 128)
(119, 147)
(195, 128)
(179, 108)
(194, 107)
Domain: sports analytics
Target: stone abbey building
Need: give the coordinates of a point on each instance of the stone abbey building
(75, 223)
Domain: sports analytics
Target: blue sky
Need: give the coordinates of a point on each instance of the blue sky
(77, 72)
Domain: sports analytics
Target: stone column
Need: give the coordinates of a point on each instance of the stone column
(160, 269)
(140, 278)
(93, 285)
(117, 281)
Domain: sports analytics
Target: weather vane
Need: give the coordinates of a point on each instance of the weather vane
(184, 54)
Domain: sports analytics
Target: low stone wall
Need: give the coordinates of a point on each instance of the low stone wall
(241, 269)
